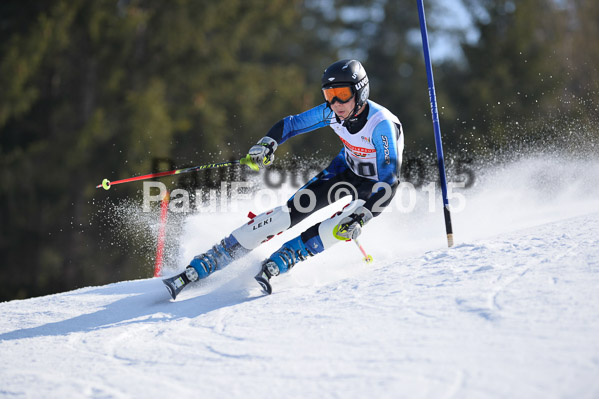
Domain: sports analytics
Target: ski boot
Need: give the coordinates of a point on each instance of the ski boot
(219, 256)
(175, 284)
(281, 261)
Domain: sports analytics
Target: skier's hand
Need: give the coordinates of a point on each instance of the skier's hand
(262, 154)
(350, 227)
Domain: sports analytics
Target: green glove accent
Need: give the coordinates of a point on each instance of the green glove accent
(248, 161)
(267, 159)
(337, 236)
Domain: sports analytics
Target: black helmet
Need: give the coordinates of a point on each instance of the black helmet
(348, 73)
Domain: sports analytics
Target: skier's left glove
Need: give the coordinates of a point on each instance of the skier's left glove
(350, 227)
(262, 154)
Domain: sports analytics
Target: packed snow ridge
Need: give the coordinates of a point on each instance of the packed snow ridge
(512, 311)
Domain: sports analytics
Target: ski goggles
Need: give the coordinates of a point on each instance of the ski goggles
(342, 94)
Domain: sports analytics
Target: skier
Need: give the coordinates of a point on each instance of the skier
(369, 162)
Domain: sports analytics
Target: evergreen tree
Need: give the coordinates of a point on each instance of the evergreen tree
(98, 89)
(514, 71)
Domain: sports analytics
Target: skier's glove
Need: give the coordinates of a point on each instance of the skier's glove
(262, 154)
(350, 227)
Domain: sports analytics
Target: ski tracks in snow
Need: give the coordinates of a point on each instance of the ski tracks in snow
(513, 316)
(498, 264)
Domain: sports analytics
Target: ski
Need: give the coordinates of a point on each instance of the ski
(262, 279)
(175, 284)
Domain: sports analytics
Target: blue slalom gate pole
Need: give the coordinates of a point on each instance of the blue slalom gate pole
(436, 126)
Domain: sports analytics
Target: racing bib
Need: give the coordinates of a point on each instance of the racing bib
(360, 152)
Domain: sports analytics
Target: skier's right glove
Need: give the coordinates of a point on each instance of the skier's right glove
(350, 227)
(262, 154)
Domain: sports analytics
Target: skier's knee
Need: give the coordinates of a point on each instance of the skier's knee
(326, 229)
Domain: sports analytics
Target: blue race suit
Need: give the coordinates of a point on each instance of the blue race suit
(362, 168)
(367, 168)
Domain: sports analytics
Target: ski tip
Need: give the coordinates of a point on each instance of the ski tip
(170, 290)
(266, 287)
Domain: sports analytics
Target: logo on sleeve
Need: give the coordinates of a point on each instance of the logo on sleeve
(386, 149)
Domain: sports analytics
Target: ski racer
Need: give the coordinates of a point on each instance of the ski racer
(369, 163)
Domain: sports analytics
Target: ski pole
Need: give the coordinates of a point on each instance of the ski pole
(436, 125)
(367, 258)
(244, 161)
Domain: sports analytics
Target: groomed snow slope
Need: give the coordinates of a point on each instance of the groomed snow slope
(511, 312)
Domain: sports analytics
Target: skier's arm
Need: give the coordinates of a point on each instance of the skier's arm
(262, 153)
(293, 125)
(385, 137)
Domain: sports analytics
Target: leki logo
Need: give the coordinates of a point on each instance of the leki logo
(262, 224)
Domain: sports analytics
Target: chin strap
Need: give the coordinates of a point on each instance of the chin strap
(354, 115)
(356, 110)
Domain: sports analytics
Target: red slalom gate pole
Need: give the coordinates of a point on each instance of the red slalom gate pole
(161, 235)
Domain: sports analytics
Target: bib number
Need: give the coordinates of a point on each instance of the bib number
(361, 168)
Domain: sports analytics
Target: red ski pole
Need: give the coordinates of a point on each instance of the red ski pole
(367, 258)
(106, 184)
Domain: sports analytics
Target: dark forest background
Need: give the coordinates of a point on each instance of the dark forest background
(117, 88)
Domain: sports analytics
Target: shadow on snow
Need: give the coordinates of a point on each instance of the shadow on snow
(147, 301)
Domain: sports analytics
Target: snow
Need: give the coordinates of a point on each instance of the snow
(512, 311)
